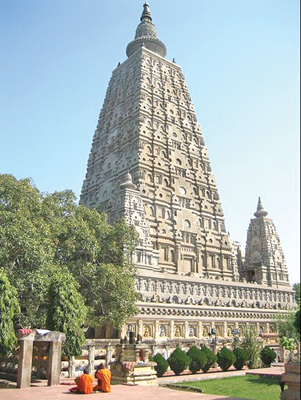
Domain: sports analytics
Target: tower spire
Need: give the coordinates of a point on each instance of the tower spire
(260, 210)
(146, 35)
(146, 13)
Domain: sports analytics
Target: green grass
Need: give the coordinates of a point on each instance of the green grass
(249, 387)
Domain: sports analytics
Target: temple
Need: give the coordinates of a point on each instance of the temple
(149, 164)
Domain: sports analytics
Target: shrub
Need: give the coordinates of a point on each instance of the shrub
(225, 358)
(162, 364)
(251, 345)
(211, 358)
(267, 356)
(241, 358)
(178, 361)
(198, 359)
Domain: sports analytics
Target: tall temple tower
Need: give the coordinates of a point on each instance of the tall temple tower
(149, 164)
(148, 127)
(264, 259)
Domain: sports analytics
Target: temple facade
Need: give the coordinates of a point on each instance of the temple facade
(149, 164)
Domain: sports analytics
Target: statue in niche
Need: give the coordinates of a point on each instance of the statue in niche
(162, 332)
(177, 331)
(205, 332)
(191, 331)
(146, 331)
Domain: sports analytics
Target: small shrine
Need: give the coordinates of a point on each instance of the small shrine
(132, 364)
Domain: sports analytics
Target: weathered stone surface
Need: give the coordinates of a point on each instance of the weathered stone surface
(149, 164)
(292, 378)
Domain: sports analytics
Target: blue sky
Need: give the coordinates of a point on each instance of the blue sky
(241, 61)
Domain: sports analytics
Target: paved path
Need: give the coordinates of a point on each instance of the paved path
(125, 392)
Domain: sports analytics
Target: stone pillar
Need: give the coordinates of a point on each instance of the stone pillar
(91, 358)
(268, 327)
(71, 368)
(157, 330)
(123, 331)
(54, 366)
(25, 363)
(140, 327)
(292, 378)
(225, 327)
(200, 329)
(186, 333)
(109, 355)
(172, 325)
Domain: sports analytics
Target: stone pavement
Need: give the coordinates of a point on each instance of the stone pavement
(125, 392)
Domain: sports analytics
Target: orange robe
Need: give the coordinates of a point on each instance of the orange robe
(84, 383)
(103, 380)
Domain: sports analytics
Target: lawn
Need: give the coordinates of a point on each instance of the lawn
(250, 387)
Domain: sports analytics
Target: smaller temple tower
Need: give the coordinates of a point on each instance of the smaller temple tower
(264, 258)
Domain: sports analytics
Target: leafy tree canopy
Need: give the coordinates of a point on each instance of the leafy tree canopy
(286, 326)
(9, 308)
(296, 288)
(42, 235)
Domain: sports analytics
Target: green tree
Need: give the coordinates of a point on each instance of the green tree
(286, 325)
(225, 358)
(66, 313)
(210, 356)
(162, 364)
(178, 361)
(198, 359)
(41, 234)
(9, 308)
(251, 346)
(297, 322)
(26, 246)
(241, 358)
(267, 356)
(296, 288)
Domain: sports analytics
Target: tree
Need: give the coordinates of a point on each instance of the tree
(225, 358)
(210, 356)
(297, 322)
(9, 307)
(67, 312)
(178, 361)
(251, 346)
(42, 234)
(198, 359)
(267, 356)
(162, 364)
(296, 288)
(286, 325)
(26, 246)
(241, 358)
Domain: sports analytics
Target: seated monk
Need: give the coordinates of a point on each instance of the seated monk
(103, 376)
(84, 383)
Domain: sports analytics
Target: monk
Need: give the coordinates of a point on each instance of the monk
(84, 384)
(103, 376)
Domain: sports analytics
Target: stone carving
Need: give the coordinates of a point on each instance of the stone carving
(149, 164)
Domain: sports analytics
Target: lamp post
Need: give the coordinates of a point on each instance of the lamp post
(235, 333)
(214, 343)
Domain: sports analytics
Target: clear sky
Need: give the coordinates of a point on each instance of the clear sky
(241, 61)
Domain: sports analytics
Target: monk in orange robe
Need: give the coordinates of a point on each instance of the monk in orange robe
(84, 383)
(103, 376)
